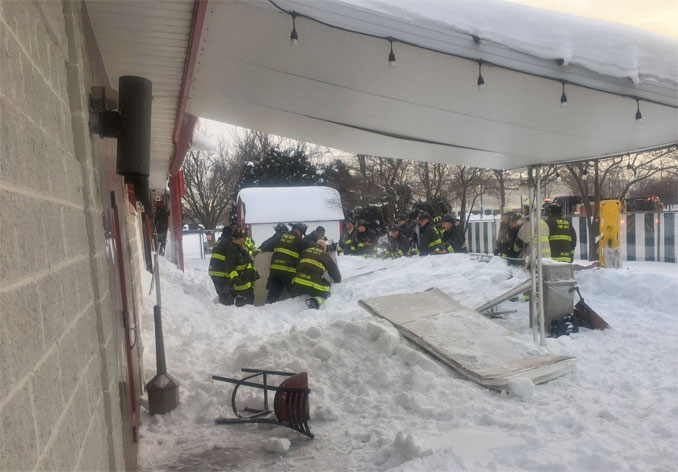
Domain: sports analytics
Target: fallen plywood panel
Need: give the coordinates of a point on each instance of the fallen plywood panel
(474, 346)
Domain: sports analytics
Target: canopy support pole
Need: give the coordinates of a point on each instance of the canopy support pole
(536, 272)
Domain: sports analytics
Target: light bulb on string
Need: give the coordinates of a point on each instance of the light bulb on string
(391, 55)
(294, 37)
(563, 98)
(481, 81)
(639, 115)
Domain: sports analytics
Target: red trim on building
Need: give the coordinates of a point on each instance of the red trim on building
(183, 127)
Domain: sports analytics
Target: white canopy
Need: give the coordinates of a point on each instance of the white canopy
(336, 87)
(290, 204)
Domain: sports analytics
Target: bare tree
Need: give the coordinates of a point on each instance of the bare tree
(210, 179)
(432, 180)
(467, 181)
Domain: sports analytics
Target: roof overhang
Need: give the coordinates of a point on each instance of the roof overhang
(336, 88)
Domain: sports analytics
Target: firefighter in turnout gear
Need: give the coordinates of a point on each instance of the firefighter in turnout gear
(397, 245)
(317, 234)
(309, 280)
(429, 236)
(562, 237)
(523, 245)
(239, 265)
(365, 240)
(347, 243)
(231, 269)
(452, 238)
(285, 259)
(269, 244)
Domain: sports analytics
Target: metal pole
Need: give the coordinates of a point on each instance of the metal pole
(157, 315)
(533, 268)
(540, 272)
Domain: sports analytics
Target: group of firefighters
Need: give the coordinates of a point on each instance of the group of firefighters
(299, 261)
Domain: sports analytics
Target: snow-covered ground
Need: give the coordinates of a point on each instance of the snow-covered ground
(378, 402)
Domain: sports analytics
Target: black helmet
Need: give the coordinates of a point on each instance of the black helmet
(514, 216)
(447, 217)
(301, 227)
(320, 229)
(227, 231)
(239, 233)
(349, 220)
(362, 222)
(281, 228)
(395, 228)
(555, 209)
(401, 217)
(423, 215)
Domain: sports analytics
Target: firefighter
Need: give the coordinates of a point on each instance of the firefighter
(239, 266)
(309, 280)
(429, 236)
(217, 270)
(500, 245)
(507, 240)
(285, 259)
(562, 237)
(269, 244)
(365, 240)
(250, 244)
(347, 243)
(231, 269)
(317, 234)
(408, 231)
(522, 244)
(397, 245)
(452, 238)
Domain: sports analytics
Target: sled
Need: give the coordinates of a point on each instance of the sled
(587, 317)
(290, 404)
(476, 347)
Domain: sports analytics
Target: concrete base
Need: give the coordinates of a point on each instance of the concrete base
(163, 394)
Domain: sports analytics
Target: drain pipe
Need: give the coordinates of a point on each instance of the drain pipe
(163, 389)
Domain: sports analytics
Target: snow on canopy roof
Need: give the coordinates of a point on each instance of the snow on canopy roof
(290, 204)
(606, 48)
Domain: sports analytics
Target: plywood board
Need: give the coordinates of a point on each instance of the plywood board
(474, 346)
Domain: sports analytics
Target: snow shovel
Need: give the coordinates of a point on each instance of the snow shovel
(588, 318)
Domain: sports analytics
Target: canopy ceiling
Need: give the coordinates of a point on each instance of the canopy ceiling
(336, 88)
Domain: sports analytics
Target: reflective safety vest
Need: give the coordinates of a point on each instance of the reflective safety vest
(429, 240)
(562, 238)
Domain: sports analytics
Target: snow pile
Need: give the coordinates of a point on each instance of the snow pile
(522, 388)
(607, 48)
(378, 402)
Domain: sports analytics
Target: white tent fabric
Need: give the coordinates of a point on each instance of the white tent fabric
(336, 88)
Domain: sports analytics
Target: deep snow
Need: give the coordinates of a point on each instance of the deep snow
(378, 402)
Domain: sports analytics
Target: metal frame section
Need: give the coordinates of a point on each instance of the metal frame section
(295, 402)
(536, 272)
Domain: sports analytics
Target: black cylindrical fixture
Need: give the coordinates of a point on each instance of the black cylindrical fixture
(159, 341)
(134, 138)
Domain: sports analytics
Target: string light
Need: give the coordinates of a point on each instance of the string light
(391, 55)
(481, 81)
(639, 115)
(294, 38)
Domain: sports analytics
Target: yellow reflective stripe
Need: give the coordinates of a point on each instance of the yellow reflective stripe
(434, 243)
(219, 256)
(560, 237)
(308, 283)
(243, 267)
(348, 241)
(233, 274)
(287, 251)
(312, 262)
(361, 245)
(243, 287)
(561, 259)
(285, 268)
(217, 274)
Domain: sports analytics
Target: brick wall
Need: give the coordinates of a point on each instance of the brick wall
(60, 369)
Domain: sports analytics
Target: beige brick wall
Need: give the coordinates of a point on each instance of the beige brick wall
(60, 334)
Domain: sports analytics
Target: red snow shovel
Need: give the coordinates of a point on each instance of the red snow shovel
(587, 317)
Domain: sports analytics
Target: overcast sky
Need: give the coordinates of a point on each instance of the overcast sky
(658, 16)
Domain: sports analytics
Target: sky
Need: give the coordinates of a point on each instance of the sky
(658, 16)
